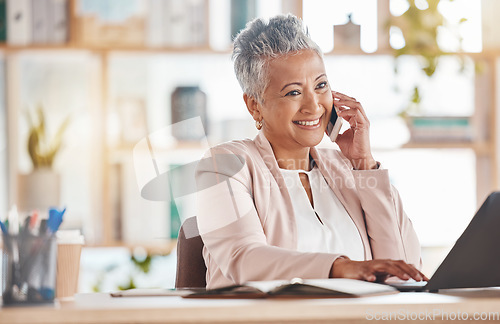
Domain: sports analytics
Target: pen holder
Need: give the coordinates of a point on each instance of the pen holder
(29, 266)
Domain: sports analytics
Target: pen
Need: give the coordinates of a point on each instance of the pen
(13, 230)
(13, 219)
(43, 227)
(4, 229)
(26, 225)
(34, 219)
(55, 219)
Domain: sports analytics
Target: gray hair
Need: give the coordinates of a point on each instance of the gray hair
(262, 41)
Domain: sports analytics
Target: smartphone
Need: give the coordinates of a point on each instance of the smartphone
(334, 125)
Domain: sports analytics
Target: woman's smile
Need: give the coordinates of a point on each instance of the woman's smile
(308, 124)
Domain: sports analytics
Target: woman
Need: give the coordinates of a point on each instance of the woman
(276, 207)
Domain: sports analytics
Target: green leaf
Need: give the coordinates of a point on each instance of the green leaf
(130, 285)
(42, 151)
(33, 143)
(416, 98)
(144, 265)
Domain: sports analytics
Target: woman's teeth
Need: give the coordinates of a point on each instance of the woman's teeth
(307, 123)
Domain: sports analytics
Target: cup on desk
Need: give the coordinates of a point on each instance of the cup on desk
(69, 248)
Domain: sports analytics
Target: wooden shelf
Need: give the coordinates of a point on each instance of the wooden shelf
(358, 52)
(111, 48)
(478, 147)
(160, 248)
(489, 53)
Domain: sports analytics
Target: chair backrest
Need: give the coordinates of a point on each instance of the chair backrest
(191, 268)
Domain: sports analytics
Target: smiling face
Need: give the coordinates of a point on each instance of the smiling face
(296, 103)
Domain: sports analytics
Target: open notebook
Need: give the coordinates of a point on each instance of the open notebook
(296, 288)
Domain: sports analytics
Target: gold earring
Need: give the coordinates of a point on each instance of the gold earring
(258, 124)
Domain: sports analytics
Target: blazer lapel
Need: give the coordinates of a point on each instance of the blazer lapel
(267, 154)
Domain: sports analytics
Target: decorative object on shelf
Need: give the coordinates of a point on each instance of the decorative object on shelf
(25, 22)
(189, 102)
(177, 24)
(19, 22)
(242, 11)
(347, 36)
(156, 23)
(383, 15)
(3, 21)
(40, 189)
(40, 22)
(111, 23)
(58, 27)
(490, 24)
(132, 116)
(449, 129)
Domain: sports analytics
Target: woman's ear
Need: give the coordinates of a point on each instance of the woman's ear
(253, 107)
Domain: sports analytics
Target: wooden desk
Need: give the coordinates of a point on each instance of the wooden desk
(101, 308)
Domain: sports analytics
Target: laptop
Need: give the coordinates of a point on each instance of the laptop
(474, 260)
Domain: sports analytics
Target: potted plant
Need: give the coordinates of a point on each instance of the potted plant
(420, 30)
(40, 189)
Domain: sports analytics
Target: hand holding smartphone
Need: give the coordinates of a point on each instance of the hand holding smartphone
(334, 125)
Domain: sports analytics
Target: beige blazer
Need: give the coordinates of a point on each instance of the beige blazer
(247, 223)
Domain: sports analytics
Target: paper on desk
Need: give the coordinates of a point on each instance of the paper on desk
(151, 292)
(347, 286)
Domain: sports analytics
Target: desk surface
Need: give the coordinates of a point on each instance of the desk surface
(101, 308)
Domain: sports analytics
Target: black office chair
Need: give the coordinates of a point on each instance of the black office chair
(191, 268)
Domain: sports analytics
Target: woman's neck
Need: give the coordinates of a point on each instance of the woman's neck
(293, 160)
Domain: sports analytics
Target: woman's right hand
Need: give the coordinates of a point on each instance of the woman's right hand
(374, 270)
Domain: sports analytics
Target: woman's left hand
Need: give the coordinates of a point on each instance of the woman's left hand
(354, 142)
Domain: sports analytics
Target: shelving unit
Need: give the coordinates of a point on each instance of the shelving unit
(486, 148)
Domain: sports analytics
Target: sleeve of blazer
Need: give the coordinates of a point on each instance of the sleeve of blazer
(232, 230)
(389, 229)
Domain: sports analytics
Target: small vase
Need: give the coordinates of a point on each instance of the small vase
(189, 102)
(39, 189)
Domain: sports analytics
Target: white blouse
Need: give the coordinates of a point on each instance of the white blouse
(327, 227)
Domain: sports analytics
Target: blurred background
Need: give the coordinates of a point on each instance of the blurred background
(89, 90)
